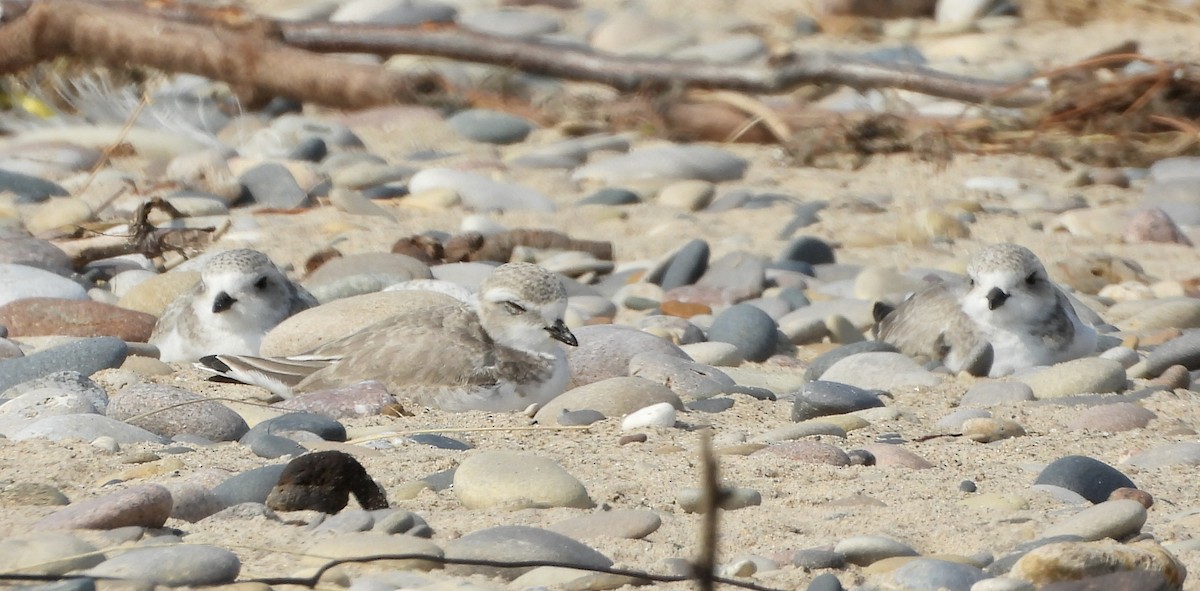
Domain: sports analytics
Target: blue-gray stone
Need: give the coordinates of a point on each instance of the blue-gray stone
(741, 275)
(574, 418)
(826, 360)
(986, 394)
(86, 356)
(266, 445)
(29, 189)
(1090, 478)
(610, 196)
(490, 127)
(825, 582)
(932, 574)
(1184, 350)
(175, 565)
(808, 249)
(605, 351)
(818, 558)
(734, 199)
(510, 23)
(394, 12)
(819, 399)
(1171, 454)
(516, 543)
(271, 184)
(439, 441)
(319, 425)
(749, 329)
(388, 191)
(793, 296)
(75, 584)
(251, 486)
(37, 253)
(440, 480)
(687, 266)
(311, 149)
(710, 405)
(1178, 197)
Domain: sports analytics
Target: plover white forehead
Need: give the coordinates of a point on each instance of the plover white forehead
(240, 296)
(1008, 302)
(502, 354)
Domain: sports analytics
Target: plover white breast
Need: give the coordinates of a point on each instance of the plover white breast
(1009, 303)
(240, 296)
(500, 355)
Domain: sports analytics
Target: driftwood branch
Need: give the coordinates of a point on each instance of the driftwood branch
(261, 57)
(143, 238)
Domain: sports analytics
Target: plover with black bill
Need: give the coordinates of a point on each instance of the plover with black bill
(240, 296)
(502, 354)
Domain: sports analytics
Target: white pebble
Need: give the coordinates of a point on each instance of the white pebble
(106, 443)
(655, 415)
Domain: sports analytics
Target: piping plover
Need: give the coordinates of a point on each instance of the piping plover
(1009, 304)
(240, 296)
(499, 355)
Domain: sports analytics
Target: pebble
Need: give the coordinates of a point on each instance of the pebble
(1111, 519)
(1154, 225)
(377, 269)
(990, 429)
(666, 163)
(1066, 561)
(748, 328)
(605, 350)
(656, 415)
(931, 573)
(517, 543)
(799, 431)
(480, 193)
(146, 505)
(881, 371)
(192, 502)
(1181, 313)
(1177, 197)
(1090, 478)
(1184, 351)
(572, 152)
(688, 379)
(32, 252)
(689, 195)
(686, 266)
(887, 454)
(1186, 453)
(47, 553)
(360, 544)
(176, 565)
(819, 365)
(513, 481)
(809, 452)
(87, 427)
(673, 328)
(732, 498)
(18, 282)
(1089, 375)
(29, 189)
(176, 412)
(510, 23)
(613, 397)
(394, 12)
(272, 185)
(153, 295)
(630, 524)
(360, 399)
(987, 394)
(825, 582)
(611, 196)
(866, 550)
(1112, 418)
(491, 127)
(251, 486)
(714, 353)
(36, 404)
(732, 49)
(821, 398)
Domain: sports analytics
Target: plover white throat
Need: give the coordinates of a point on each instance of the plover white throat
(500, 355)
(240, 296)
(1009, 303)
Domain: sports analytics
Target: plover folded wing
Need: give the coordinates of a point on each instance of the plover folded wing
(240, 296)
(931, 326)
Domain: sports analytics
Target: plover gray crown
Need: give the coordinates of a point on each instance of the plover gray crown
(1008, 317)
(240, 296)
(500, 355)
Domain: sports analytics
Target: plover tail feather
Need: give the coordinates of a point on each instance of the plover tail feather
(278, 376)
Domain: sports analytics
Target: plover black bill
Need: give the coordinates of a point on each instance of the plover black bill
(502, 354)
(240, 296)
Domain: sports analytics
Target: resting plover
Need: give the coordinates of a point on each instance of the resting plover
(1009, 303)
(240, 296)
(499, 355)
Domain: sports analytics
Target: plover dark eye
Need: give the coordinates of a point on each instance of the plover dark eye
(1031, 279)
(261, 283)
(514, 308)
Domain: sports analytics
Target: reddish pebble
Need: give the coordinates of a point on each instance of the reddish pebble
(1154, 225)
(147, 505)
(77, 318)
(363, 399)
(632, 438)
(1136, 494)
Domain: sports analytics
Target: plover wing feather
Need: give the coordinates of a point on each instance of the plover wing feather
(930, 326)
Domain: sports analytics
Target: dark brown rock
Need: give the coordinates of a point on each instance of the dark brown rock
(323, 481)
(79, 318)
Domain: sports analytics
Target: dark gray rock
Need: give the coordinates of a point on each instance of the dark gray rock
(85, 356)
(29, 189)
(808, 249)
(514, 543)
(177, 565)
(826, 360)
(491, 127)
(687, 266)
(825, 582)
(929, 573)
(1184, 350)
(271, 185)
(251, 486)
(820, 398)
(1090, 478)
(748, 328)
(610, 196)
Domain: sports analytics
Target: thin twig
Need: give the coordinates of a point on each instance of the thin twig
(705, 566)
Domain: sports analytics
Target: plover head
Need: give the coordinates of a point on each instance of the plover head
(243, 285)
(521, 305)
(1008, 285)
